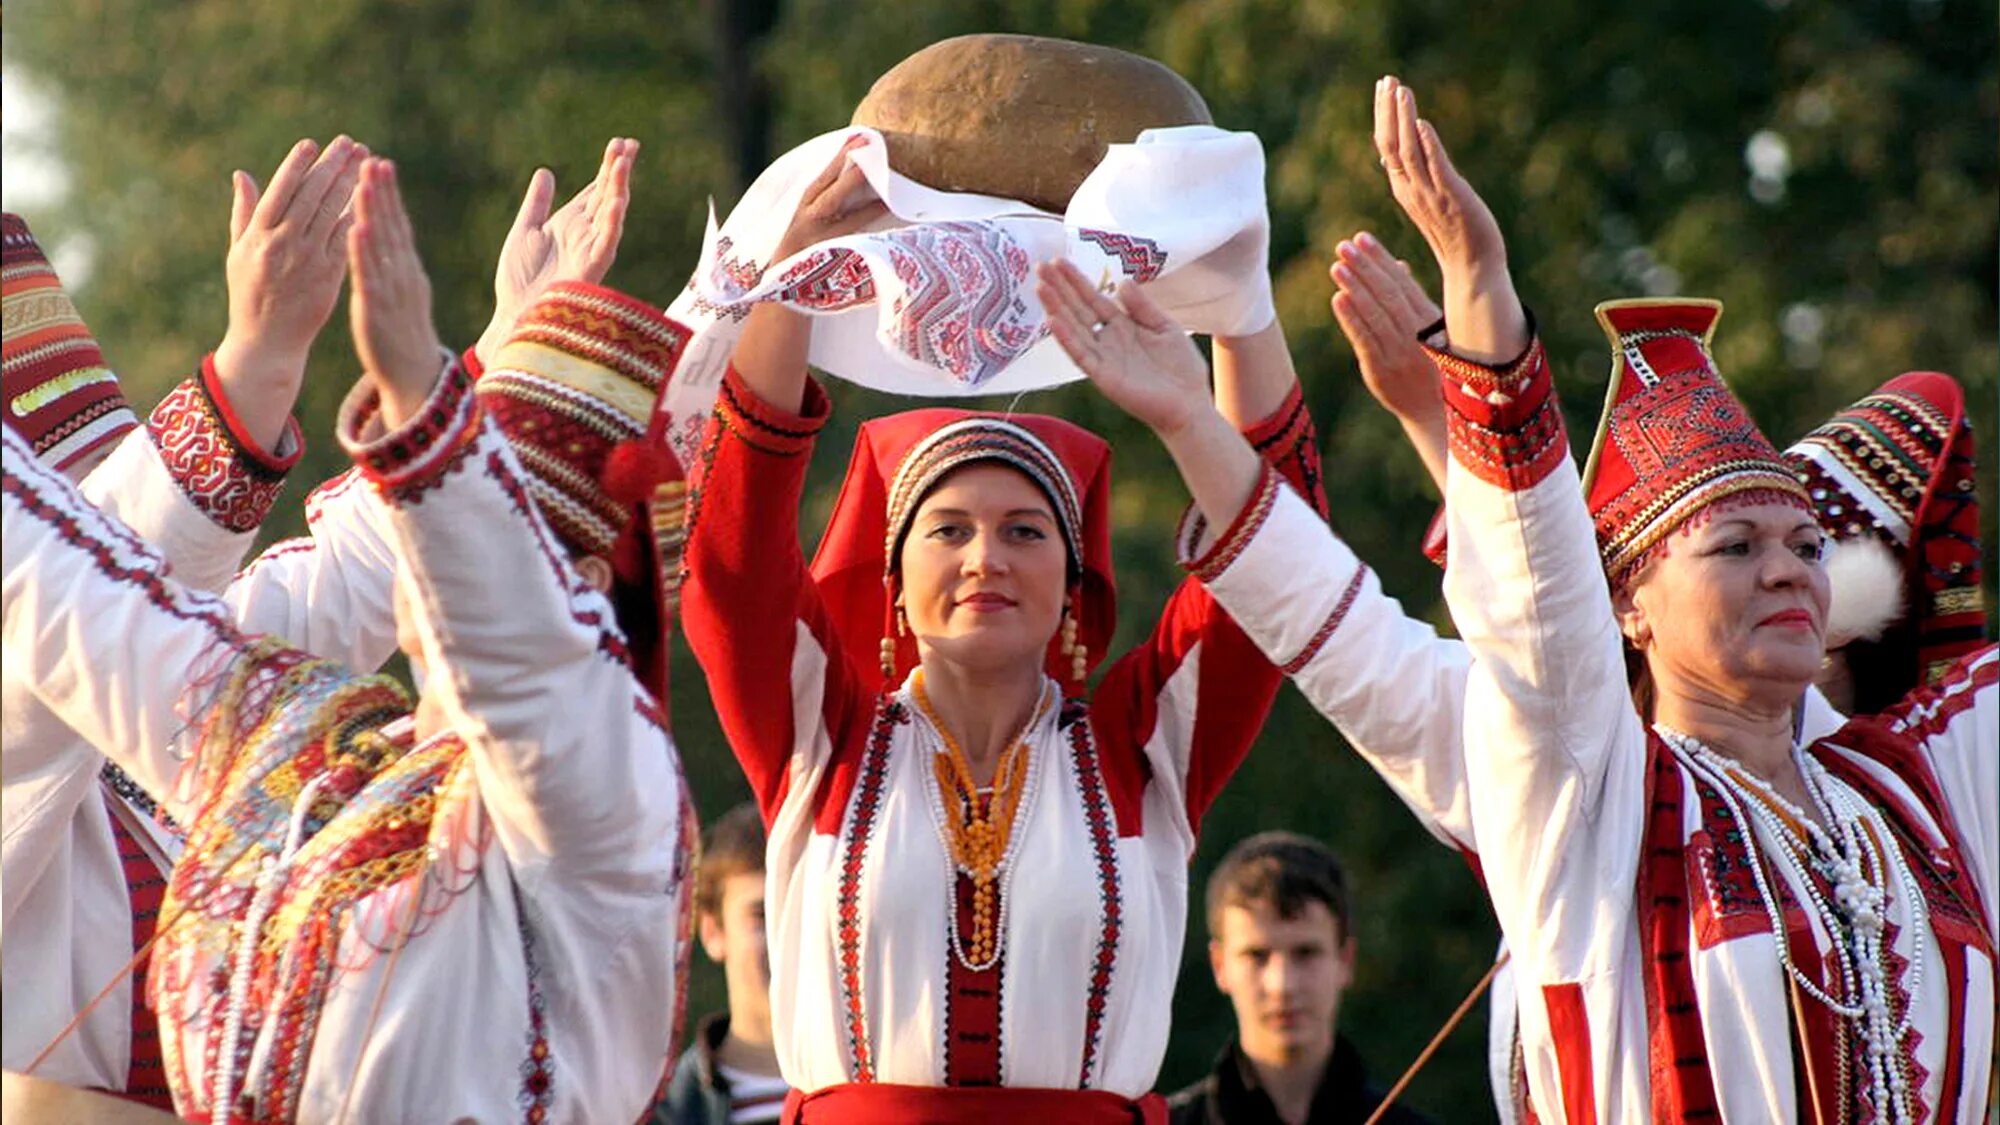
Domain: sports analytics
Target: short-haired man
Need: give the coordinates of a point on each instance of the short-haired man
(729, 1074)
(1281, 944)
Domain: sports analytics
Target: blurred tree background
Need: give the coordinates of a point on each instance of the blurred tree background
(1827, 169)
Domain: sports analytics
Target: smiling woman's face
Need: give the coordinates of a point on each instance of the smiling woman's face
(984, 568)
(1738, 605)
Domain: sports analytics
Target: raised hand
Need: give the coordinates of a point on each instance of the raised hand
(390, 309)
(1130, 348)
(1484, 314)
(1381, 308)
(578, 242)
(838, 202)
(287, 255)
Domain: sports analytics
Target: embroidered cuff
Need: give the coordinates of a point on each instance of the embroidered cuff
(414, 458)
(1503, 423)
(469, 359)
(1234, 538)
(767, 428)
(1289, 443)
(222, 471)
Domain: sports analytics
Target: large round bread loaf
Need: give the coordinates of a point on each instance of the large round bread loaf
(1020, 116)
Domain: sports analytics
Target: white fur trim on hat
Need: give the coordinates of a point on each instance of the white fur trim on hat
(1868, 594)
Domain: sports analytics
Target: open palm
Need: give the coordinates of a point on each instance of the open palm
(578, 242)
(1130, 348)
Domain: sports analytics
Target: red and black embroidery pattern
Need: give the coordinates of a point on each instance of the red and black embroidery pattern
(867, 801)
(424, 450)
(1240, 532)
(1503, 423)
(1332, 622)
(221, 472)
(1288, 442)
(538, 1066)
(1104, 850)
(1140, 258)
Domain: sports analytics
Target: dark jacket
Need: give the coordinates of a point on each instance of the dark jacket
(1232, 1095)
(698, 1094)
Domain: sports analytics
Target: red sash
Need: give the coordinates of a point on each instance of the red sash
(146, 1081)
(857, 1103)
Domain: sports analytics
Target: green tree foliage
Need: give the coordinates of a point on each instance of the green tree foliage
(1826, 169)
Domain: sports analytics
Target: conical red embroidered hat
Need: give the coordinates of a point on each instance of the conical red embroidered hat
(1898, 467)
(898, 459)
(59, 394)
(1673, 439)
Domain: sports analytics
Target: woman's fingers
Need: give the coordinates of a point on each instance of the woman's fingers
(1058, 303)
(326, 221)
(304, 205)
(1144, 311)
(1385, 125)
(833, 171)
(1080, 302)
(535, 205)
(1408, 141)
(243, 197)
(1390, 285)
(1359, 331)
(285, 182)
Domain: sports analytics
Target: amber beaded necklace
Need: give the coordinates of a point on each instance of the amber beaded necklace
(979, 824)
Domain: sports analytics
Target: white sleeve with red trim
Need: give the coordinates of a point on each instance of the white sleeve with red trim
(524, 658)
(330, 592)
(1394, 687)
(1956, 722)
(1555, 754)
(97, 630)
(192, 482)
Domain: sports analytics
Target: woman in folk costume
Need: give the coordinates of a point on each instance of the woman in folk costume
(1710, 913)
(1891, 482)
(1894, 481)
(465, 912)
(86, 850)
(87, 847)
(977, 870)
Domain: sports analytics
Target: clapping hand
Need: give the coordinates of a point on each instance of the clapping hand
(287, 255)
(390, 309)
(578, 242)
(1129, 347)
(1381, 309)
(1486, 321)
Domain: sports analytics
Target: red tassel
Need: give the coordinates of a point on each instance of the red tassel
(635, 468)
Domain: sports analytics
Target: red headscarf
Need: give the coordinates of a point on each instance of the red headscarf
(903, 456)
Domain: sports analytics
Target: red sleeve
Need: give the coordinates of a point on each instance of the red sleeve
(748, 589)
(1233, 688)
(1289, 443)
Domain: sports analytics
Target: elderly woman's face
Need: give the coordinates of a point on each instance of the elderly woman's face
(1740, 602)
(984, 569)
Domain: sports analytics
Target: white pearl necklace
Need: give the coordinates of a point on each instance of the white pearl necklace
(1860, 858)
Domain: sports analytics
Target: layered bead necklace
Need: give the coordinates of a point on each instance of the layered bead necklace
(977, 827)
(1860, 859)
